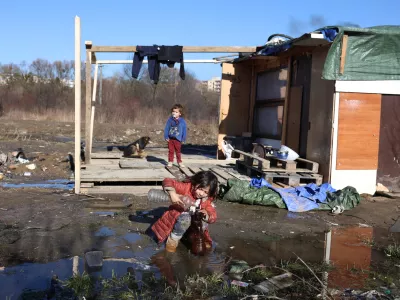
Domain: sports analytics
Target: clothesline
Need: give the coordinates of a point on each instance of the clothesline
(189, 61)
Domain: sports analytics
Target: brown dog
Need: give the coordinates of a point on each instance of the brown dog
(136, 149)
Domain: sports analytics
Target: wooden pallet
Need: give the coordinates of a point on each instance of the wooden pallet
(272, 163)
(287, 178)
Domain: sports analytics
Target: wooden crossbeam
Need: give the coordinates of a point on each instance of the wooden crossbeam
(187, 49)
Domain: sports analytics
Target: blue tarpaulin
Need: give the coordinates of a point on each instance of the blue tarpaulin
(304, 198)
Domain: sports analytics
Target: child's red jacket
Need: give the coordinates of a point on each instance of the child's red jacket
(163, 227)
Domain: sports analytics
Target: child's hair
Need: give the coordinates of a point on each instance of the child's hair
(178, 106)
(205, 179)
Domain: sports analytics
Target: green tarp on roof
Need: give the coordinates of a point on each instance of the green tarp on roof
(372, 54)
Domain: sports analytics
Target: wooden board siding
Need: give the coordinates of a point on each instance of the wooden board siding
(319, 141)
(389, 143)
(358, 131)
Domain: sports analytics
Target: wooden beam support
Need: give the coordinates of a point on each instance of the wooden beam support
(93, 104)
(343, 56)
(187, 49)
(252, 97)
(287, 98)
(88, 106)
(77, 175)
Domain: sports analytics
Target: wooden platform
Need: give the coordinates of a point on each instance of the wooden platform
(109, 172)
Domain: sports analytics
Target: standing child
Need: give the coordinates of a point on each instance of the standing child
(202, 189)
(175, 134)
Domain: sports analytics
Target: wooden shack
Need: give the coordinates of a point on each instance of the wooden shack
(334, 99)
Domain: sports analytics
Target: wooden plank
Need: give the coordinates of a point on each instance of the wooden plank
(234, 101)
(87, 184)
(343, 54)
(186, 49)
(239, 176)
(77, 105)
(105, 175)
(311, 165)
(358, 131)
(186, 171)
(319, 139)
(93, 105)
(265, 163)
(88, 110)
(294, 118)
(222, 173)
(287, 97)
(139, 190)
(105, 155)
(139, 164)
(175, 172)
(194, 169)
(104, 162)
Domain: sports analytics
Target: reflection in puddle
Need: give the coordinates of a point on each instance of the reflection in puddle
(105, 231)
(346, 249)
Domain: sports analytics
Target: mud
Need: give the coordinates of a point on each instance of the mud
(43, 225)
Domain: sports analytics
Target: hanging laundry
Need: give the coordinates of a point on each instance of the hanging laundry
(170, 55)
(153, 64)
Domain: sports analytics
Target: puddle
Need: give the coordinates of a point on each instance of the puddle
(345, 248)
(105, 231)
(61, 184)
(132, 237)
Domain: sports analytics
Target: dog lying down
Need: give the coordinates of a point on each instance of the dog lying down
(135, 149)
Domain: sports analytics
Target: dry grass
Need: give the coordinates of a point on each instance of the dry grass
(50, 115)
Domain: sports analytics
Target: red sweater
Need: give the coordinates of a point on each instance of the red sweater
(163, 227)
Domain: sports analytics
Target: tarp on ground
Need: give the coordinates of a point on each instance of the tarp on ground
(298, 199)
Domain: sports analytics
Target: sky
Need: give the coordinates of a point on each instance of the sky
(45, 28)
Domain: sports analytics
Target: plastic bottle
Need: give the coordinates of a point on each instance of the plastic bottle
(157, 196)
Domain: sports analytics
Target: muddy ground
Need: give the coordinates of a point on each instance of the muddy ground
(46, 225)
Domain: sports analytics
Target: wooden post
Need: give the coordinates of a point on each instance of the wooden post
(287, 99)
(343, 55)
(93, 104)
(88, 106)
(252, 97)
(77, 171)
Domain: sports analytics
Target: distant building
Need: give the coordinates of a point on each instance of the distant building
(214, 84)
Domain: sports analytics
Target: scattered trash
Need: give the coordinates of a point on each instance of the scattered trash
(239, 283)
(232, 247)
(275, 283)
(22, 160)
(1, 176)
(334, 224)
(363, 225)
(94, 259)
(236, 269)
(3, 158)
(292, 232)
(44, 169)
(2, 269)
(12, 167)
(31, 166)
(264, 231)
(27, 174)
(4, 209)
(381, 188)
(338, 209)
(104, 213)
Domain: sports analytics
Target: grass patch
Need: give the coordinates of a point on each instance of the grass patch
(393, 251)
(82, 285)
